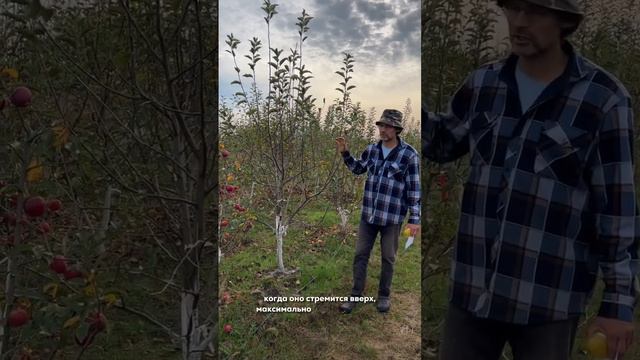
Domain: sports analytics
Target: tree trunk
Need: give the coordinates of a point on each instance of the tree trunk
(281, 230)
(344, 218)
(189, 317)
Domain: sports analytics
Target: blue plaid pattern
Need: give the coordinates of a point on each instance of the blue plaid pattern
(550, 196)
(392, 186)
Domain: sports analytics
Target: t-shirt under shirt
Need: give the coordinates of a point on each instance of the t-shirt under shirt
(385, 151)
(528, 88)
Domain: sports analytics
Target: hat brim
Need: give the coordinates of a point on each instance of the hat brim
(554, 8)
(390, 124)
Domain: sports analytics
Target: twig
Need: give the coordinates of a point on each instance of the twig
(148, 318)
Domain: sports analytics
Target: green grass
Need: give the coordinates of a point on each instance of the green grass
(323, 270)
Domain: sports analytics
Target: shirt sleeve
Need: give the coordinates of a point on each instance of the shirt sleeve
(445, 136)
(413, 190)
(357, 166)
(616, 212)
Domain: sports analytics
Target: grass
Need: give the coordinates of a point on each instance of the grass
(324, 269)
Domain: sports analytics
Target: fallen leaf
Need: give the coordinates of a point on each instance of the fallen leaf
(73, 322)
(10, 73)
(35, 171)
(61, 136)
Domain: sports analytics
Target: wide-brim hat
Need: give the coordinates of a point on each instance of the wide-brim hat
(391, 117)
(568, 6)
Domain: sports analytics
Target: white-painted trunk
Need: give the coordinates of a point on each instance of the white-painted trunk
(344, 217)
(281, 231)
(189, 326)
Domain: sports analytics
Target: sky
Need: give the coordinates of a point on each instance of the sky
(383, 36)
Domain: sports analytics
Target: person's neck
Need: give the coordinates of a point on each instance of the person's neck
(545, 67)
(390, 144)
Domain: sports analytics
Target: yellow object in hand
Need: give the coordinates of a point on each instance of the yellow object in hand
(406, 232)
(596, 346)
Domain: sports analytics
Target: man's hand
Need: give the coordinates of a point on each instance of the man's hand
(619, 335)
(413, 229)
(341, 144)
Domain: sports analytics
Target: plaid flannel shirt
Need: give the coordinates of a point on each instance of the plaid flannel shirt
(392, 186)
(550, 196)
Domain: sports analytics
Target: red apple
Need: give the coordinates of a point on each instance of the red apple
(226, 298)
(21, 96)
(247, 226)
(59, 264)
(228, 328)
(17, 317)
(224, 223)
(442, 180)
(54, 205)
(225, 153)
(97, 321)
(44, 228)
(71, 274)
(34, 206)
(230, 188)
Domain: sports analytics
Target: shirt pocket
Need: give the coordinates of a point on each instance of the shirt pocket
(396, 172)
(481, 138)
(561, 152)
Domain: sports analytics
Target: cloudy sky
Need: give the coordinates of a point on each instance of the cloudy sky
(382, 35)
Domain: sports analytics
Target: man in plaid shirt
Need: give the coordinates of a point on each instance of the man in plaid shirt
(392, 188)
(550, 197)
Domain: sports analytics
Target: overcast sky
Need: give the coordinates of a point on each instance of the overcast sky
(383, 36)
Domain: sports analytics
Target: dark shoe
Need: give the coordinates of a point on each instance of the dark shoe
(347, 306)
(383, 304)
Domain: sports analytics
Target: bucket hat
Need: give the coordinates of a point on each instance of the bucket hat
(391, 117)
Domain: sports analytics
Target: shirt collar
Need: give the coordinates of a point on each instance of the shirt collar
(400, 145)
(574, 71)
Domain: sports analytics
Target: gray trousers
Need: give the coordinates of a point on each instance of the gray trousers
(367, 234)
